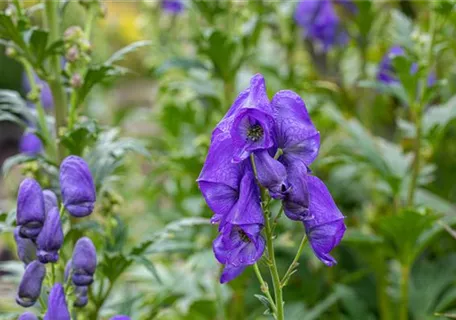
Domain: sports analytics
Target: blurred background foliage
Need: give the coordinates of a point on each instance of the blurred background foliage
(181, 85)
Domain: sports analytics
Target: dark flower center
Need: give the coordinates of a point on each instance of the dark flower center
(244, 237)
(255, 132)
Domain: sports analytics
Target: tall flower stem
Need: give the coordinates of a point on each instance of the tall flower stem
(404, 284)
(55, 80)
(264, 287)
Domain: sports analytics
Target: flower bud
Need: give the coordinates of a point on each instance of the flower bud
(50, 200)
(11, 52)
(72, 54)
(84, 262)
(77, 186)
(30, 144)
(57, 306)
(30, 287)
(30, 214)
(76, 81)
(50, 238)
(73, 33)
(27, 316)
(26, 249)
(82, 298)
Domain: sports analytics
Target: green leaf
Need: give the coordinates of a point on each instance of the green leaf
(317, 311)
(14, 161)
(9, 31)
(14, 109)
(148, 265)
(113, 265)
(119, 55)
(179, 63)
(83, 135)
(38, 42)
(439, 116)
(264, 301)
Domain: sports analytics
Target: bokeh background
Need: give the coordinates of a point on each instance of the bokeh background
(182, 84)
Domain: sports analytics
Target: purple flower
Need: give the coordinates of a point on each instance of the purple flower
(327, 227)
(26, 249)
(27, 316)
(81, 294)
(30, 214)
(57, 305)
(120, 317)
(348, 5)
(50, 200)
(30, 286)
(46, 95)
(84, 262)
(30, 144)
(319, 20)
(173, 6)
(250, 121)
(77, 186)
(50, 238)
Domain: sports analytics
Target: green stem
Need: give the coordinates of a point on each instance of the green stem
(55, 81)
(295, 262)
(228, 91)
(264, 287)
(404, 284)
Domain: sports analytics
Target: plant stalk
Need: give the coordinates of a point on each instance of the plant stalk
(404, 284)
(295, 262)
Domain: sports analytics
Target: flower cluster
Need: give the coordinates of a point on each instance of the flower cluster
(39, 237)
(320, 22)
(272, 143)
(173, 6)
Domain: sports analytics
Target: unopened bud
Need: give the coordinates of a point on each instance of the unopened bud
(72, 54)
(76, 80)
(10, 52)
(73, 33)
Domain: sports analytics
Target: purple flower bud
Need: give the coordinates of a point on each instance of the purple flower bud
(81, 294)
(57, 306)
(27, 316)
(77, 186)
(50, 238)
(46, 98)
(50, 200)
(30, 287)
(173, 6)
(84, 262)
(67, 270)
(30, 144)
(26, 249)
(30, 209)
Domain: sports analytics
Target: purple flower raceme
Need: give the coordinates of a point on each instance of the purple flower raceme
(26, 249)
(30, 214)
(30, 144)
(84, 262)
(50, 200)
(320, 22)
(50, 238)
(173, 6)
(30, 286)
(57, 305)
(27, 316)
(77, 186)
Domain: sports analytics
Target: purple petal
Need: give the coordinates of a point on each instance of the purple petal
(173, 6)
(386, 72)
(30, 287)
(81, 295)
(57, 305)
(296, 135)
(84, 262)
(230, 273)
(30, 208)
(26, 249)
(27, 316)
(30, 144)
(271, 174)
(50, 200)
(50, 238)
(77, 186)
(327, 227)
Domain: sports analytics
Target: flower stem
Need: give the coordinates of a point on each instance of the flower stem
(55, 81)
(295, 262)
(404, 284)
(264, 287)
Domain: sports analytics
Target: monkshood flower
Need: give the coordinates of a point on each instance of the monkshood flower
(46, 95)
(326, 229)
(30, 144)
(386, 73)
(84, 262)
(30, 286)
(77, 186)
(26, 249)
(50, 200)
(82, 296)
(120, 317)
(320, 23)
(27, 316)
(30, 214)
(57, 305)
(249, 121)
(173, 6)
(50, 238)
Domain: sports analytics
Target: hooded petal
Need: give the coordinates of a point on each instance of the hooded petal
(271, 174)
(30, 287)
(231, 272)
(50, 238)
(57, 305)
(326, 229)
(296, 135)
(27, 316)
(296, 201)
(30, 144)
(50, 200)
(84, 262)
(81, 294)
(30, 208)
(386, 72)
(77, 186)
(26, 249)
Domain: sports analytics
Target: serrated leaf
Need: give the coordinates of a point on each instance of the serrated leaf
(148, 265)
(38, 42)
(83, 135)
(9, 31)
(14, 109)
(264, 301)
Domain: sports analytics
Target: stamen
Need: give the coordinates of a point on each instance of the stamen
(244, 237)
(255, 133)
